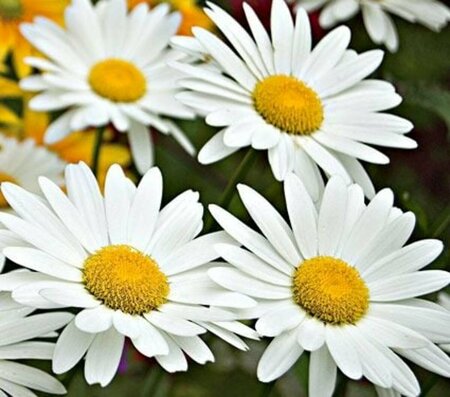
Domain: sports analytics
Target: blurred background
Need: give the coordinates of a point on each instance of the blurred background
(420, 178)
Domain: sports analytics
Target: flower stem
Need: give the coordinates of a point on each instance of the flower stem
(230, 189)
(268, 389)
(97, 147)
(154, 382)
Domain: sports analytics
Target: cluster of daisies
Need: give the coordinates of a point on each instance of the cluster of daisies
(100, 261)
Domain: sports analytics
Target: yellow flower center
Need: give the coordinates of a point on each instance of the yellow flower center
(5, 178)
(330, 290)
(117, 80)
(10, 9)
(288, 104)
(125, 279)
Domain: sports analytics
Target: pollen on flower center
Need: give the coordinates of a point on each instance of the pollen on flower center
(288, 104)
(11, 9)
(117, 80)
(5, 178)
(125, 279)
(330, 290)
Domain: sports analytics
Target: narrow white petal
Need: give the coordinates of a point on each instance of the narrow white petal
(103, 357)
(279, 357)
(70, 348)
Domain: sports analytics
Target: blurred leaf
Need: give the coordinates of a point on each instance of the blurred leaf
(433, 98)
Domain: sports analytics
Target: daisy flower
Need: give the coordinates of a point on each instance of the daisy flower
(17, 328)
(379, 24)
(15, 12)
(109, 66)
(131, 269)
(191, 14)
(306, 107)
(339, 283)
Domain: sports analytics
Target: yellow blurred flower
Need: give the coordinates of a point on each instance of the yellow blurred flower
(12, 14)
(191, 12)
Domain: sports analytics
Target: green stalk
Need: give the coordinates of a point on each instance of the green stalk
(230, 189)
(268, 388)
(97, 147)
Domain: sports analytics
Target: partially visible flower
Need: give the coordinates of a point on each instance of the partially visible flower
(15, 12)
(17, 329)
(100, 71)
(307, 107)
(129, 268)
(337, 282)
(379, 24)
(23, 162)
(191, 14)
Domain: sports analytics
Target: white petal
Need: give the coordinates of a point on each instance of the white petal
(117, 204)
(344, 354)
(311, 334)
(252, 265)
(71, 295)
(141, 146)
(227, 59)
(250, 239)
(322, 373)
(175, 360)
(332, 216)
(240, 282)
(71, 346)
(406, 286)
(277, 321)
(150, 341)
(173, 324)
(279, 357)
(40, 261)
(30, 377)
(94, 320)
(103, 357)
(271, 223)
(303, 216)
(215, 150)
(21, 329)
(144, 209)
(195, 348)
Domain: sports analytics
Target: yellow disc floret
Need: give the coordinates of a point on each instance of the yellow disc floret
(125, 279)
(330, 290)
(11, 9)
(5, 178)
(117, 80)
(288, 104)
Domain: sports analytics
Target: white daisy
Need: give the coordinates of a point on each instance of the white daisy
(16, 330)
(109, 66)
(379, 24)
(132, 270)
(305, 107)
(337, 282)
(22, 163)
